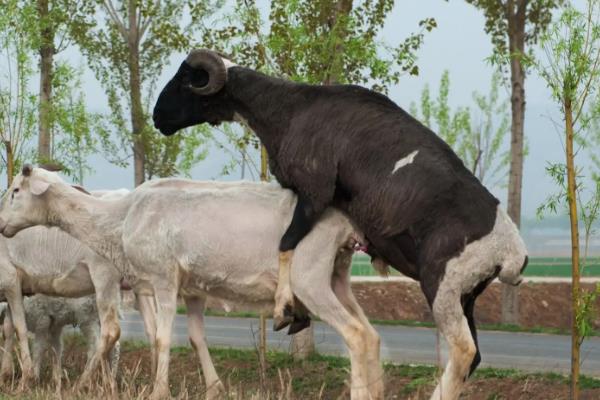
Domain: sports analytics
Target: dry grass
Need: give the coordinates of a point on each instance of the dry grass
(318, 378)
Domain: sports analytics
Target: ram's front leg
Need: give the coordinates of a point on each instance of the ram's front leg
(306, 213)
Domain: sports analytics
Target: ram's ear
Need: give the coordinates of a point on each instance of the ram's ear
(38, 186)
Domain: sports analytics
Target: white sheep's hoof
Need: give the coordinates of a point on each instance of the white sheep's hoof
(160, 394)
(216, 391)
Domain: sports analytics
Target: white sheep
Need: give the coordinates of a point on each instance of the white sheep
(46, 316)
(196, 239)
(49, 261)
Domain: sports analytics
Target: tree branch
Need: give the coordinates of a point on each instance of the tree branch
(114, 16)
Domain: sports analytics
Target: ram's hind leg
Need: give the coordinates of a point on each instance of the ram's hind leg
(305, 215)
(452, 323)
(453, 313)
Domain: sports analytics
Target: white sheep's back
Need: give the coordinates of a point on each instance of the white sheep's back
(223, 237)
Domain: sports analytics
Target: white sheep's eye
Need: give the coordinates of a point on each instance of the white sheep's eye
(16, 190)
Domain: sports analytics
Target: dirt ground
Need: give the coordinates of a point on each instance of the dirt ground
(320, 377)
(541, 304)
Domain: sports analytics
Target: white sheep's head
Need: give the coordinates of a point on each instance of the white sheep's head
(24, 203)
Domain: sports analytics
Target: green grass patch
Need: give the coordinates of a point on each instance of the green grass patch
(538, 266)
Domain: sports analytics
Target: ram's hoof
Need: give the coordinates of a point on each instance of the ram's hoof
(299, 324)
(280, 322)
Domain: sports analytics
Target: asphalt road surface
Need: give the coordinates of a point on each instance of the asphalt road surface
(524, 351)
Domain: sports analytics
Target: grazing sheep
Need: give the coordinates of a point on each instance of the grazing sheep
(46, 316)
(48, 261)
(421, 210)
(199, 239)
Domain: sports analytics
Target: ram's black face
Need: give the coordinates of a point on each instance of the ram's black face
(178, 107)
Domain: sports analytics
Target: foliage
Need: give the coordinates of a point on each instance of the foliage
(18, 105)
(572, 72)
(537, 17)
(320, 42)
(437, 115)
(306, 38)
(74, 129)
(573, 43)
(479, 144)
(76, 132)
(587, 313)
(159, 32)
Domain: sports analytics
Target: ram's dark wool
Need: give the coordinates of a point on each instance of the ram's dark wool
(353, 148)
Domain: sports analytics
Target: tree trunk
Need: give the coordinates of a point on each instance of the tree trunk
(46, 75)
(10, 163)
(303, 343)
(575, 295)
(336, 65)
(516, 38)
(137, 111)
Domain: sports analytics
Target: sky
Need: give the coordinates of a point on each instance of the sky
(458, 45)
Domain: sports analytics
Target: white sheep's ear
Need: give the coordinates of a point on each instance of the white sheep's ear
(38, 186)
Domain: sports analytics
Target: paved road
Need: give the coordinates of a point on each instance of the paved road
(531, 352)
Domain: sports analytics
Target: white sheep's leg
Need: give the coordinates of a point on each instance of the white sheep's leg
(318, 296)
(166, 301)
(148, 311)
(15, 302)
(56, 350)
(8, 330)
(115, 356)
(449, 317)
(315, 266)
(195, 312)
(41, 343)
(284, 298)
(107, 304)
(93, 353)
(91, 332)
(343, 291)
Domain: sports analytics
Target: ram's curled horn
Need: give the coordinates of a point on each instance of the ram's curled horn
(51, 166)
(212, 63)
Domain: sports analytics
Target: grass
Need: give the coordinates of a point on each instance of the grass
(318, 377)
(538, 266)
(418, 374)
